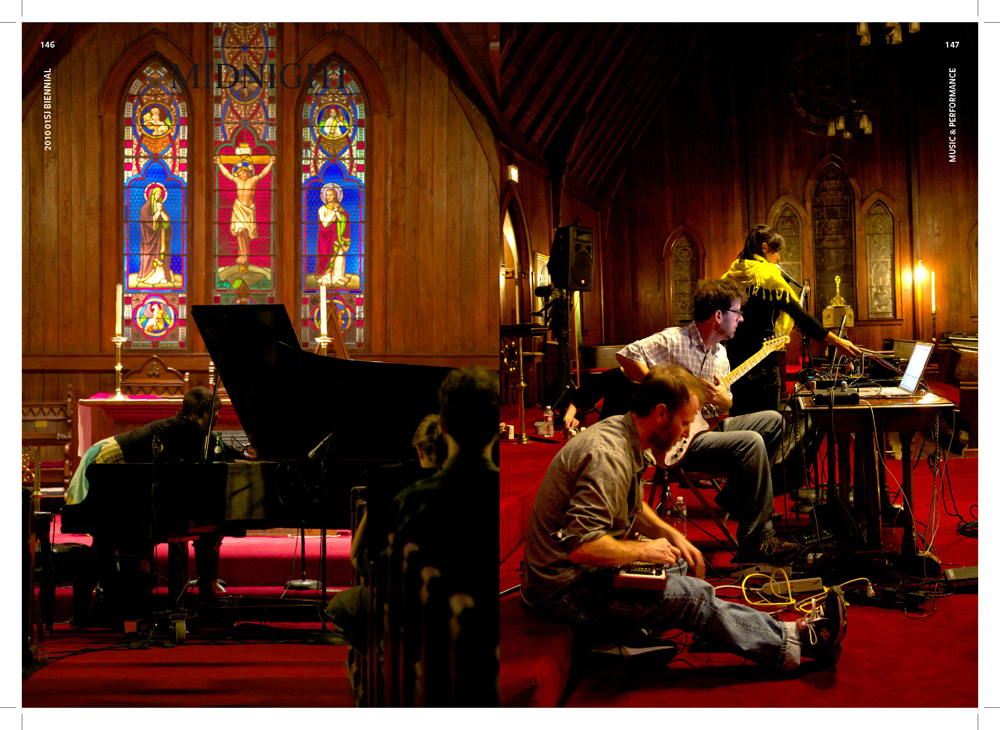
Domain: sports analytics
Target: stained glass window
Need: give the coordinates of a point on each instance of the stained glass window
(333, 202)
(156, 186)
(684, 268)
(789, 225)
(881, 256)
(244, 116)
(833, 237)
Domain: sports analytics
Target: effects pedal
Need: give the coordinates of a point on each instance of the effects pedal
(838, 396)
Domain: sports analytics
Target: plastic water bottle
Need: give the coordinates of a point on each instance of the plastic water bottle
(681, 516)
(549, 419)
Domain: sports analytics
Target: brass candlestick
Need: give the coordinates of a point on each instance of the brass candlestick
(521, 385)
(323, 341)
(118, 340)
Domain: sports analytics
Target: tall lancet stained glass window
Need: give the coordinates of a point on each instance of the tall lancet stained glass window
(244, 113)
(155, 130)
(333, 203)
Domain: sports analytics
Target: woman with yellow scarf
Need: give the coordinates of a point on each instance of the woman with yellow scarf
(771, 309)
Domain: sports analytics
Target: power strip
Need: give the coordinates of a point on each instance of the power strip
(799, 585)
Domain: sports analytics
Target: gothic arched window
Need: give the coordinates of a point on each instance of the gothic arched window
(155, 137)
(789, 225)
(880, 255)
(333, 202)
(833, 237)
(685, 268)
(244, 122)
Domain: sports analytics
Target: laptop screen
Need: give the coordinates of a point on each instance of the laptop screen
(915, 368)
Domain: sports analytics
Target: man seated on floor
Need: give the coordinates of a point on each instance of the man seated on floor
(180, 438)
(741, 446)
(590, 496)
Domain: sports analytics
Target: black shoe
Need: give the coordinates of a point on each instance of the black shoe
(824, 628)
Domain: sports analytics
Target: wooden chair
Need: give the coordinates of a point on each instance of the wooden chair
(60, 564)
(50, 426)
(154, 377)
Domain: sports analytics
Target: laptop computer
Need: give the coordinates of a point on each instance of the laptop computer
(908, 386)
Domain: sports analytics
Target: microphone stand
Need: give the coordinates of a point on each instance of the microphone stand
(325, 636)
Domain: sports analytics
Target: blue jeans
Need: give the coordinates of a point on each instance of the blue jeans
(742, 447)
(593, 606)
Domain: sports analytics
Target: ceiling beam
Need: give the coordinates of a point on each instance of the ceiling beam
(473, 64)
(543, 78)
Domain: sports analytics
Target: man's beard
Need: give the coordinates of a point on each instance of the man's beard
(664, 439)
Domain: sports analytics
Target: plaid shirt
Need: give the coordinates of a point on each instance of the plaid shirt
(680, 346)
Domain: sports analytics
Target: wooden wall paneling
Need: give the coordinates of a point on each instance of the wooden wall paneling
(71, 272)
(485, 326)
(434, 287)
(30, 303)
(407, 248)
(490, 295)
(201, 180)
(469, 209)
(88, 315)
(47, 266)
(420, 315)
(454, 238)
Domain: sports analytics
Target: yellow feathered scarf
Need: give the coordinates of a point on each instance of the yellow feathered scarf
(758, 276)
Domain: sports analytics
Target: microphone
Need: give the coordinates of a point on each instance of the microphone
(320, 447)
(787, 277)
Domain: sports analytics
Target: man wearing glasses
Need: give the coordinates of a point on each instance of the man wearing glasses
(741, 446)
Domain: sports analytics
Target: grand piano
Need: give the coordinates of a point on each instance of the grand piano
(317, 425)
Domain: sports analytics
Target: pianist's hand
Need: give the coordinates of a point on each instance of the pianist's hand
(658, 551)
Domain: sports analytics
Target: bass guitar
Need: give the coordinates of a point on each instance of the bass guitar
(708, 417)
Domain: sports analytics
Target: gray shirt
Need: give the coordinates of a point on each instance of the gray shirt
(592, 488)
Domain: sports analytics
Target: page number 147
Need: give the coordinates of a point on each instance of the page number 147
(951, 44)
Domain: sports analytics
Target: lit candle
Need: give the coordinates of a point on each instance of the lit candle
(118, 310)
(322, 310)
(933, 301)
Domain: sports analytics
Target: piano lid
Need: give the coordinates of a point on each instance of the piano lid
(288, 399)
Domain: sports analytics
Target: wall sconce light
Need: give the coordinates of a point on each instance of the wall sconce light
(921, 272)
(512, 173)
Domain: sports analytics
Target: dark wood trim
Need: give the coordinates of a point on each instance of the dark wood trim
(196, 362)
(473, 65)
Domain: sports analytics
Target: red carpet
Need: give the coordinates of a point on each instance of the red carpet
(890, 659)
(197, 674)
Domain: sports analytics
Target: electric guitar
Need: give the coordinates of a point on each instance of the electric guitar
(708, 417)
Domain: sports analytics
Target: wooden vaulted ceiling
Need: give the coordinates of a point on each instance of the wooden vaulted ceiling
(576, 97)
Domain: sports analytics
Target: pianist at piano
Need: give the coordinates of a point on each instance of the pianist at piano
(592, 494)
(179, 438)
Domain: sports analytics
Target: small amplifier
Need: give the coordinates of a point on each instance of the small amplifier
(649, 576)
(837, 396)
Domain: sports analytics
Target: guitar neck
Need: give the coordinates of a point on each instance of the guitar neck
(743, 369)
